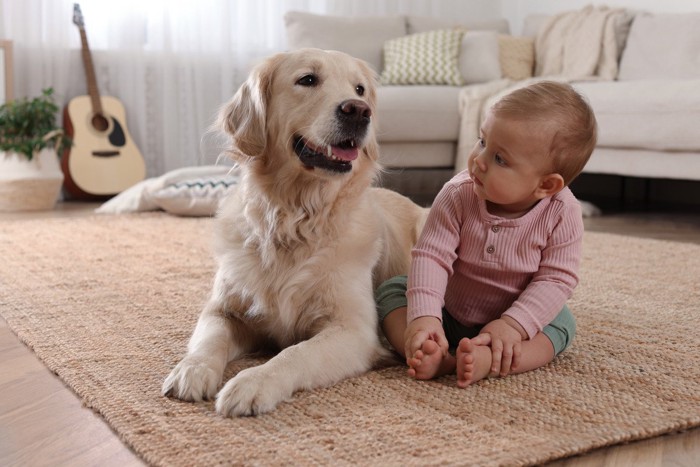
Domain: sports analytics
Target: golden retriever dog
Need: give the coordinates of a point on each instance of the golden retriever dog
(302, 242)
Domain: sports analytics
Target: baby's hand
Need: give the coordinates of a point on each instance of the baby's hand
(505, 342)
(421, 329)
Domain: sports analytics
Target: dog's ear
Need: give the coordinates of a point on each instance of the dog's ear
(244, 118)
(372, 149)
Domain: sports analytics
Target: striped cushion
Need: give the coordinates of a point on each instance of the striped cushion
(425, 58)
(196, 196)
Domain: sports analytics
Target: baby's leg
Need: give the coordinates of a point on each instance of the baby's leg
(394, 328)
(429, 362)
(474, 361)
(535, 353)
(391, 301)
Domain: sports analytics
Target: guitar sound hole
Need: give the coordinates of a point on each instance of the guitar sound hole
(99, 122)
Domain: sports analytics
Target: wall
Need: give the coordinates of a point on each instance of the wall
(515, 11)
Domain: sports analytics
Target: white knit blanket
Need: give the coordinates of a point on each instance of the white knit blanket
(579, 44)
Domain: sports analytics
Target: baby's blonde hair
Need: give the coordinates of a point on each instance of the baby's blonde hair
(559, 105)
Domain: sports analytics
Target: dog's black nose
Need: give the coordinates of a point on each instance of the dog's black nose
(354, 109)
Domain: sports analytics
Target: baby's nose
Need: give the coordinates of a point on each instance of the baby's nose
(480, 162)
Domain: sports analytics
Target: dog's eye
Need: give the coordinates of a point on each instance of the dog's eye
(308, 80)
(360, 90)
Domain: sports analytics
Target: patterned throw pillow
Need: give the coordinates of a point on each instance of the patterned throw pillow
(425, 58)
(196, 196)
(188, 191)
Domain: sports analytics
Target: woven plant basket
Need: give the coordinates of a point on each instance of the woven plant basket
(29, 185)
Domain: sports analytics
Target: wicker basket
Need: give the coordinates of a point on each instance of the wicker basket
(29, 185)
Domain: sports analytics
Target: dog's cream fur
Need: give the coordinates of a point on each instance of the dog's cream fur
(299, 248)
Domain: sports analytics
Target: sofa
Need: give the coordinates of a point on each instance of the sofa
(639, 71)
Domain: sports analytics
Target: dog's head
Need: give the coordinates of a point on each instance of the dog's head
(309, 110)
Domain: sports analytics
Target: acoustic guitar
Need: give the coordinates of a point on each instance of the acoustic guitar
(103, 160)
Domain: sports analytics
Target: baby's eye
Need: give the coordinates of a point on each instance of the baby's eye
(481, 142)
(499, 160)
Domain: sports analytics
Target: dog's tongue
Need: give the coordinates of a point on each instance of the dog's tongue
(345, 154)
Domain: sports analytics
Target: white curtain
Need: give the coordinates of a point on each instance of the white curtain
(172, 63)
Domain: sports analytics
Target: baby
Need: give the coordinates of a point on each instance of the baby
(498, 257)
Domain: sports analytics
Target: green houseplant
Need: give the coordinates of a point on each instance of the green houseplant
(28, 126)
(30, 141)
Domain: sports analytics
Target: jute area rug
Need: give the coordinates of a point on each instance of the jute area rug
(108, 304)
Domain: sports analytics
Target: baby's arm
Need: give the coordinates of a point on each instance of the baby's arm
(554, 282)
(431, 266)
(427, 353)
(420, 330)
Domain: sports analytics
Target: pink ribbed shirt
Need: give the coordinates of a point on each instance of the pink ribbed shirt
(481, 267)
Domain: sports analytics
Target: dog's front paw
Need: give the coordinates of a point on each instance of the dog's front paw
(250, 392)
(193, 379)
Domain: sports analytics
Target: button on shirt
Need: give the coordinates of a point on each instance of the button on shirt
(480, 266)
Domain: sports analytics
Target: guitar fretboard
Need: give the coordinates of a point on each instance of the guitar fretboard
(90, 75)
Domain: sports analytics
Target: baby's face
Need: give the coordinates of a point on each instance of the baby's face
(509, 160)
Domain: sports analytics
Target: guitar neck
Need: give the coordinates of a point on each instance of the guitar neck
(90, 75)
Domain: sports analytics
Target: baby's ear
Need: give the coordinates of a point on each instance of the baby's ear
(550, 185)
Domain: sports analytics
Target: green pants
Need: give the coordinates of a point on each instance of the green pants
(391, 295)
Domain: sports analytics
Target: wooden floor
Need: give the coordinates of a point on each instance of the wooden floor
(42, 423)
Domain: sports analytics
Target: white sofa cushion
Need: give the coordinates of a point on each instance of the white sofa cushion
(418, 113)
(362, 36)
(658, 115)
(478, 57)
(662, 46)
(417, 24)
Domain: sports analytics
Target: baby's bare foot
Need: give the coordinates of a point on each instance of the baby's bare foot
(473, 362)
(429, 362)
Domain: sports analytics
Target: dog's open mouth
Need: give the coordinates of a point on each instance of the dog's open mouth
(334, 157)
